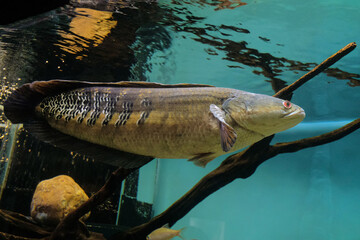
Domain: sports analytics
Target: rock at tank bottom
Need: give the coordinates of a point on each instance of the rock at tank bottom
(54, 198)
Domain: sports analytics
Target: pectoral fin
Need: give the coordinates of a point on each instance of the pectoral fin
(227, 133)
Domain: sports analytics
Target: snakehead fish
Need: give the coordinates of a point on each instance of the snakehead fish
(192, 121)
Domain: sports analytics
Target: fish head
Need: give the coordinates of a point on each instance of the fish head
(263, 114)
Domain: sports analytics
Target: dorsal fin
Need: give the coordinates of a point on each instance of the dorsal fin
(166, 225)
(55, 86)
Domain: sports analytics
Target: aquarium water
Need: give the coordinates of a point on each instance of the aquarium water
(253, 45)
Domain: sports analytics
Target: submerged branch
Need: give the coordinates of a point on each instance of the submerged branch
(70, 227)
(7, 236)
(283, 93)
(18, 223)
(318, 140)
(240, 165)
(71, 221)
(245, 163)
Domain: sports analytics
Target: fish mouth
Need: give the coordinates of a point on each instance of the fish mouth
(297, 113)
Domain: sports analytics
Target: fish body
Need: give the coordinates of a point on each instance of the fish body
(164, 233)
(163, 123)
(196, 122)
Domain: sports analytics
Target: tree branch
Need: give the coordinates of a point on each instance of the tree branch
(20, 224)
(240, 165)
(70, 224)
(245, 163)
(7, 236)
(318, 140)
(286, 91)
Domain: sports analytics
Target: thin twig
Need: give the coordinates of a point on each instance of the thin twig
(243, 164)
(72, 218)
(316, 70)
(20, 223)
(318, 140)
(7, 236)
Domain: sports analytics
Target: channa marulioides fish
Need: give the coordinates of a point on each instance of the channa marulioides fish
(193, 121)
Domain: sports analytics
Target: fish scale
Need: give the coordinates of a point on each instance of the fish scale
(198, 122)
(180, 120)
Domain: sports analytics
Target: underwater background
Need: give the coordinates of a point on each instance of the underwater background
(253, 45)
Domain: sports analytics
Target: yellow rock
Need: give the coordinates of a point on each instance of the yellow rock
(54, 198)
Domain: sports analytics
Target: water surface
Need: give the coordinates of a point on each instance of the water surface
(253, 45)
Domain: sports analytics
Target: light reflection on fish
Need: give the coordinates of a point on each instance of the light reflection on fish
(197, 122)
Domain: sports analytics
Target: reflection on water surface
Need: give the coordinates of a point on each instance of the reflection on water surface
(86, 30)
(241, 44)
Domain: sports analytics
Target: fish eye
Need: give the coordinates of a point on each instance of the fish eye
(287, 104)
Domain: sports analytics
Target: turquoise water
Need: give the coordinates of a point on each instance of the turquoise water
(257, 46)
(312, 194)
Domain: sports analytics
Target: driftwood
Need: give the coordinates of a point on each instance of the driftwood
(19, 224)
(70, 227)
(240, 165)
(244, 164)
(72, 219)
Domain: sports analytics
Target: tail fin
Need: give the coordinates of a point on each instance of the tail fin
(181, 231)
(19, 106)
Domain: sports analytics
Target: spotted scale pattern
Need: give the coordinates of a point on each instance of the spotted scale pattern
(127, 107)
(146, 105)
(95, 113)
(109, 109)
(90, 105)
(67, 105)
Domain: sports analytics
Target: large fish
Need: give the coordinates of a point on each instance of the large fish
(197, 122)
